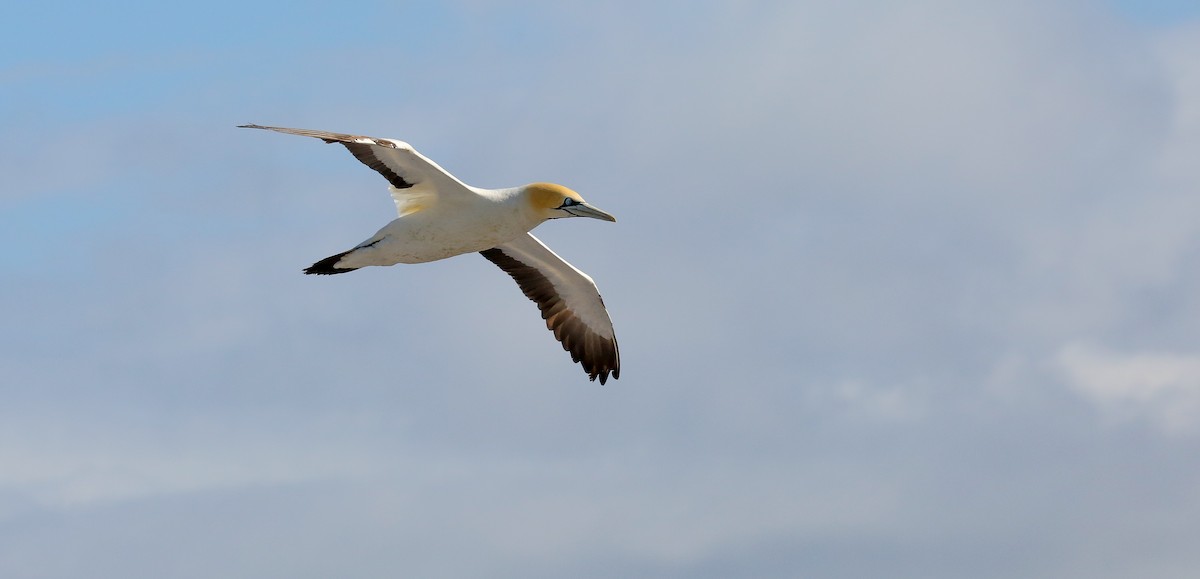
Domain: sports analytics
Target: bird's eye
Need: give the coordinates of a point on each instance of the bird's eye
(568, 202)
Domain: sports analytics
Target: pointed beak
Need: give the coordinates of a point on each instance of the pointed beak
(586, 210)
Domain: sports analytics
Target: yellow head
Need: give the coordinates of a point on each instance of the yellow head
(553, 201)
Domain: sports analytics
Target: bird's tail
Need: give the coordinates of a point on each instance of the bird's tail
(328, 266)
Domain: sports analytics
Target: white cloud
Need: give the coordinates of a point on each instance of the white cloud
(68, 467)
(1162, 388)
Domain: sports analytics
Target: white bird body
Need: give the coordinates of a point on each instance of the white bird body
(440, 217)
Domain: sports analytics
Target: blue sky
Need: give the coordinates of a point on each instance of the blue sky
(902, 290)
(1159, 12)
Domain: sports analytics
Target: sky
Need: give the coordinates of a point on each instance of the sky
(902, 289)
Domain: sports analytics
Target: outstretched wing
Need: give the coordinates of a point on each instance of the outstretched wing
(568, 299)
(397, 161)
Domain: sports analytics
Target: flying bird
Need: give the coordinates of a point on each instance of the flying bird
(441, 217)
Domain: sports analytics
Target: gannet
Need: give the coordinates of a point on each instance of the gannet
(441, 217)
